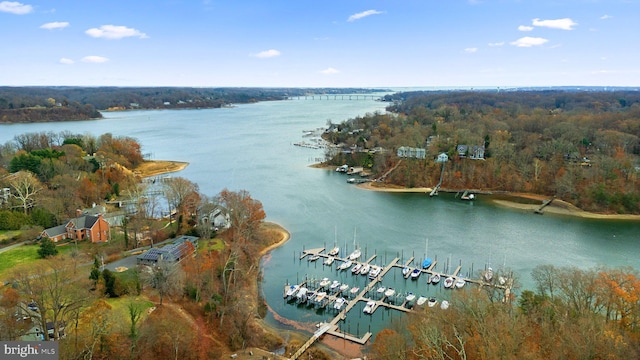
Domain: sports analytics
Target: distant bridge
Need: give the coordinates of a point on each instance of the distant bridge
(336, 97)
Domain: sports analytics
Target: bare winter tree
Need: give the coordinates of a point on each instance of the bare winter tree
(26, 188)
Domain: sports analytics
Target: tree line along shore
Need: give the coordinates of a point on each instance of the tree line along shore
(580, 147)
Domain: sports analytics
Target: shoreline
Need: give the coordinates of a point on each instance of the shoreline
(301, 328)
(558, 207)
(151, 168)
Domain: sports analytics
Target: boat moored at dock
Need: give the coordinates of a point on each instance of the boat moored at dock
(370, 307)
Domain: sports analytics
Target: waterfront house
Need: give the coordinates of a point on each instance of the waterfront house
(474, 152)
(410, 152)
(443, 157)
(90, 227)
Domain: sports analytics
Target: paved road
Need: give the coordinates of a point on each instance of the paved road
(12, 247)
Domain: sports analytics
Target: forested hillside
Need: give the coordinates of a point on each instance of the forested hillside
(37, 104)
(583, 147)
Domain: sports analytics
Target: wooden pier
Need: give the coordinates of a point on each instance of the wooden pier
(332, 327)
(545, 203)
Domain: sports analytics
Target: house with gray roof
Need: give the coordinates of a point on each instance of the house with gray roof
(175, 252)
(90, 227)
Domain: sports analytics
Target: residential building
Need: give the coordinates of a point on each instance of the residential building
(93, 228)
(410, 152)
(173, 253)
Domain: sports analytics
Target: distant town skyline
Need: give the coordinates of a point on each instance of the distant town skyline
(209, 43)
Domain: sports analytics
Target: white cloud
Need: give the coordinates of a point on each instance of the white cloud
(15, 7)
(471, 50)
(115, 32)
(54, 25)
(525, 28)
(66, 61)
(496, 44)
(330, 71)
(562, 24)
(267, 54)
(529, 41)
(95, 59)
(363, 14)
(605, 17)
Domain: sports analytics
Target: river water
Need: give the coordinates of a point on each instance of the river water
(250, 147)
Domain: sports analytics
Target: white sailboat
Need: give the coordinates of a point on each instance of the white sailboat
(345, 265)
(365, 269)
(336, 249)
(356, 252)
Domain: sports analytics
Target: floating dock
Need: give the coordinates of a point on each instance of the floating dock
(332, 328)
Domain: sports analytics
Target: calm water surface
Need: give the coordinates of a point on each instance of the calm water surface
(249, 147)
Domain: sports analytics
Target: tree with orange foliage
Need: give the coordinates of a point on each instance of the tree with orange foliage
(390, 345)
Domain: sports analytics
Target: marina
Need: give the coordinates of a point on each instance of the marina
(343, 298)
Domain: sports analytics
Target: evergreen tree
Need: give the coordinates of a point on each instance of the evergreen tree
(47, 248)
(95, 272)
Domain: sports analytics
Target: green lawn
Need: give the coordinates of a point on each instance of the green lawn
(210, 245)
(24, 254)
(20, 255)
(120, 308)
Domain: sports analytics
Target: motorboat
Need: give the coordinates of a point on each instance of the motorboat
(338, 303)
(421, 300)
(434, 279)
(365, 269)
(344, 287)
(432, 302)
(354, 290)
(444, 305)
(374, 272)
(301, 296)
(329, 260)
(415, 274)
(345, 265)
(334, 285)
(406, 272)
(320, 299)
(467, 196)
(314, 257)
(389, 292)
(448, 282)
(502, 280)
(426, 263)
(291, 291)
(381, 290)
(460, 283)
(410, 297)
(370, 307)
(356, 268)
(325, 282)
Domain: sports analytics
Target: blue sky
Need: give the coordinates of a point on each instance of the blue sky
(331, 43)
